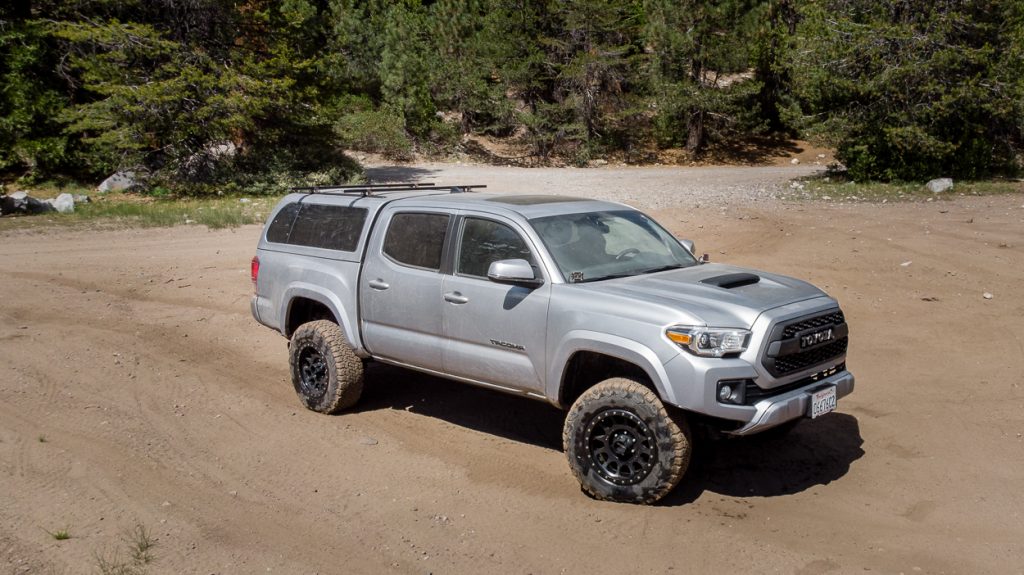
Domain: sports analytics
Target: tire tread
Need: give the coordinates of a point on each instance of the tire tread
(632, 390)
(348, 367)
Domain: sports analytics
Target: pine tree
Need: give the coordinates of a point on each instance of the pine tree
(914, 89)
(32, 96)
(701, 64)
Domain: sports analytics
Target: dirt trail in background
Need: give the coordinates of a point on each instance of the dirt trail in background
(135, 389)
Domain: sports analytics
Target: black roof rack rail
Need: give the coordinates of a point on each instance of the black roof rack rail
(368, 189)
(403, 185)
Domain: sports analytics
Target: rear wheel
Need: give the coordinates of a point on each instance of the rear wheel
(326, 373)
(623, 444)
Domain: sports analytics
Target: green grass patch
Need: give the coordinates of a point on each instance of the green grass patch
(130, 210)
(841, 189)
(60, 534)
(213, 213)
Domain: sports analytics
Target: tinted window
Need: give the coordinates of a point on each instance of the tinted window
(486, 241)
(416, 239)
(282, 224)
(329, 227)
(318, 226)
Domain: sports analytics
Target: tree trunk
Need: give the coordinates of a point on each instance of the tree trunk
(695, 132)
(695, 123)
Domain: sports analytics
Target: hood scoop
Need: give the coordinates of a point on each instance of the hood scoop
(730, 281)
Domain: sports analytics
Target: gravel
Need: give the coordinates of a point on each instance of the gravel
(646, 188)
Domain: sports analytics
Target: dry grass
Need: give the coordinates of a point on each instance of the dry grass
(832, 188)
(131, 210)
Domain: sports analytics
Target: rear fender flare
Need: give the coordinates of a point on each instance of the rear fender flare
(325, 297)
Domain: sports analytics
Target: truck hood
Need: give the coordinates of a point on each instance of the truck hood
(717, 295)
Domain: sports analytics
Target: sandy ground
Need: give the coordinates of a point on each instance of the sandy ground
(136, 390)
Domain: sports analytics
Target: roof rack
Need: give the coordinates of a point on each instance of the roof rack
(368, 189)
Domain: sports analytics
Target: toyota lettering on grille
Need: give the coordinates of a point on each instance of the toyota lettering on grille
(812, 339)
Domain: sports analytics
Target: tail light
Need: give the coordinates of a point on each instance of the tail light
(255, 269)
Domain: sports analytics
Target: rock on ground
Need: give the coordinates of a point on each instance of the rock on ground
(22, 203)
(939, 185)
(118, 182)
(64, 203)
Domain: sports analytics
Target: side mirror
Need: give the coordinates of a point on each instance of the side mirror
(690, 247)
(516, 272)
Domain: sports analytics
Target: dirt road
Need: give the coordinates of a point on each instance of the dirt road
(135, 389)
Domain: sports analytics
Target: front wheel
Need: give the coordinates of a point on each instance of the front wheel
(623, 444)
(326, 373)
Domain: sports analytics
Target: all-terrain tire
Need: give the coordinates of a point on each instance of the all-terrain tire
(624, 445)
(326, 373)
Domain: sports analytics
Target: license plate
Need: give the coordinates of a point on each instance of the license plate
(820, 336)
(823, 401)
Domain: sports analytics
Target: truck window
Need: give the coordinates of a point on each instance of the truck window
(416, 239)
(328, 227)
(486, 241)
(318, 226)
(279, 229)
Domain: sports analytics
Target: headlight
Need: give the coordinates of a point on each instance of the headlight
(709, 341)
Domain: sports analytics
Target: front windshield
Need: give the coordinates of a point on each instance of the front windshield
(595, 246)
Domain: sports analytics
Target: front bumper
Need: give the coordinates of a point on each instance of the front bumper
(792, 404)
(693, 385)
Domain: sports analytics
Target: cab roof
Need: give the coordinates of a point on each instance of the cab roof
(528, 206)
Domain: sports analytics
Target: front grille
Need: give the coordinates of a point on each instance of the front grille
(784, 356)
(820, 321)
(798, 361)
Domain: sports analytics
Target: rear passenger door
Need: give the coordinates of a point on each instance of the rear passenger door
(400, 288)
(496, 332)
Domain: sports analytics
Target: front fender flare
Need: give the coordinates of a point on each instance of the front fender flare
(613, 346)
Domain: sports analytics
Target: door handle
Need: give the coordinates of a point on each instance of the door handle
(455, 297)
(379, 284)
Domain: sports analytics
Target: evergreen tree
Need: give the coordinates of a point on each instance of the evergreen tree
(701, 57)
(203, 92)
(914, 89)
(32, 96)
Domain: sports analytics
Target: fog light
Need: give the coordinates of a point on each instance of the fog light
(732, 391)
(724, 392)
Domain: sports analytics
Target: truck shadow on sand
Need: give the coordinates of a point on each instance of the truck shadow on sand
(816, 453)
(509, 416)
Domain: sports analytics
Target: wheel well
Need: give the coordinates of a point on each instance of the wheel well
(304, 310)
(587, 368)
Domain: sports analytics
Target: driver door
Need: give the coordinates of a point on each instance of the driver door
(496, 332)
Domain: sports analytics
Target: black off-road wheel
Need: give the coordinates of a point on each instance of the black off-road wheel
(624, 445)
(326, 373)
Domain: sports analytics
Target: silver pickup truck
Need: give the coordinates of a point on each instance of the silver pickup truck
(589, 305)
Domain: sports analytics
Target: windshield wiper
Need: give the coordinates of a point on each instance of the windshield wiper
(663, 269)
(609, 277)
(633, 273)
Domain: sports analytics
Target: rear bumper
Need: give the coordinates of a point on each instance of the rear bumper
(793, 404)
(254, 308)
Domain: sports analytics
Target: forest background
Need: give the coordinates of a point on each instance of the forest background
(203, 96)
